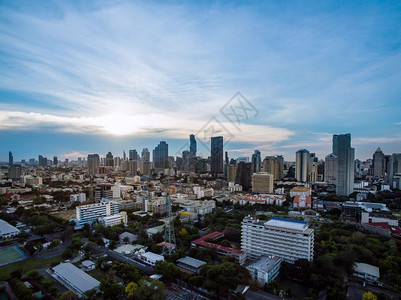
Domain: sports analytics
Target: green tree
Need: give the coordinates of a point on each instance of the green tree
(150, 290)
(110, 289)
(222, 278)
(169, 270)
(69, 295)
(369, 296)
(131, 288)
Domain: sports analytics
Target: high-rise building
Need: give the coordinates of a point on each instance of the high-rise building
(145, 154)
(55, 161)
(289, 239)
(133, 167)
(145, 165)
(314, 172)
(216, 154)
(379, 163)
(231, 172)
(345, 163)
(133, 155)
(244, 175)
(262, 182)
(192, 145)
(42, 161)
(93, 163)
(256, 161)
(109, 160)
(302, 165)
(10, 158)
(275, 166)
(124, 156)
(394, 167)
(160, 156)
(330, 169)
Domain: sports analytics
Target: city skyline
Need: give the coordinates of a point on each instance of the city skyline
(112, 76)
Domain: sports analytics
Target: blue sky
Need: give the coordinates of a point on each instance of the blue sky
(79, 77)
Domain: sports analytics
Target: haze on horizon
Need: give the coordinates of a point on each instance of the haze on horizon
(81, 77)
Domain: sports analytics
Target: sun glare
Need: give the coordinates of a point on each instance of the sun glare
(118, 124)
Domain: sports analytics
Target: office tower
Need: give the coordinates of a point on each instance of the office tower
(55, 161)
(226, 158)
(244, 175)
(109, 161)
(42, 161)
(107, 190)
(133, 155)
(145, 154)
(201, 166)
(216, 155)
(379, 163)
(93, 163)
(145, 165)
(275, 166)
(262, 182)
(302, 165)
(289, 239)
(256, 161)
(124, 156)
(394, 168)
(160, 156)
(314, 172)
(345, 163)
(185, 160)
(192, 145)
(133, 167)
(231, 172)
(330, 169)
(10, 158)
(14, 172)
(242, 159)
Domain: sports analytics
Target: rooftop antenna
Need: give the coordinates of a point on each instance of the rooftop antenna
(169, 236)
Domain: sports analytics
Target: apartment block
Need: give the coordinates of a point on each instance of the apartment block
(288, 239)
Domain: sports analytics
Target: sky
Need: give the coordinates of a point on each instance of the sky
(79, 77)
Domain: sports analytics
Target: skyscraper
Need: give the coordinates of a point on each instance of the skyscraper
(93, 163)
(55, 161)
(216, 154)
(109, 161)
(394, 167)
(231, 173)
(302, 165)
(192, 146)
(244, 175)
(275, 166)
(345, 163)
(256, 161)
(160, 156)
(378, 163)
(10, 158)
(330, 169)
(133, 155)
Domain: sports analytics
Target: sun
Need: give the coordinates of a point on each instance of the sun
(118, 124)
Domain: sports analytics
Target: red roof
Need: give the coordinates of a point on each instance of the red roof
(394, 230)
(202, 242)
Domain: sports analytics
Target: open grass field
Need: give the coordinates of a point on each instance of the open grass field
(10, 255)
(27, 265)
(66, 214)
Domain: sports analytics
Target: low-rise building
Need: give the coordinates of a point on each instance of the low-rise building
(81, 197)
(302, 202)
(88, 265)
(190, 265)
(115, 219)
(300, 191)
(266, 269)
(128, 235)
(74, 279)
(367, 272)
(7, 230)
(150, 258)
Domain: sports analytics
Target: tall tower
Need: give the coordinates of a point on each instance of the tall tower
(256, 161)
(160, 156)
(109, 161)
(302, 165)
(93, 163)
(192, 145)
(330, 169)
(378, 163)
(216, 155)
(10, 158)
(345, 163)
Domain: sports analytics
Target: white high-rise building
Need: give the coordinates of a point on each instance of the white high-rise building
(288, 239)
(330, 169)
(91, 212)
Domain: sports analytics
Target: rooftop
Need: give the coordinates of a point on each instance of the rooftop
(367, 269)
(76, 277)
(6, 228)
(265, 263)
(202, 241)
(196, 263)
(287, 224)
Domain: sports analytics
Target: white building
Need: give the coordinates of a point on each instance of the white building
(74, 279)
(288, 239)
(7, 230)
(201, 192)
(266, 269)
(91, 212)
(234, 187)
(81, 197)
(150, 258)
(366, 271)
(115, 219)
(302, 191)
